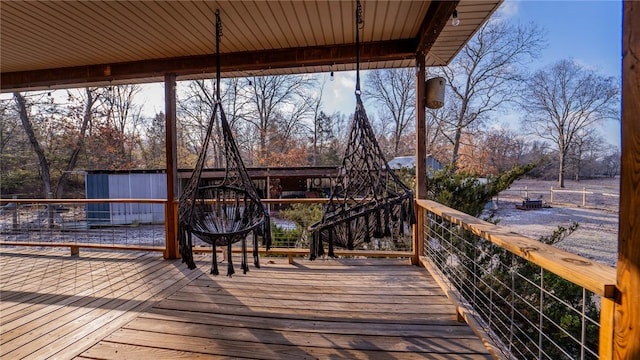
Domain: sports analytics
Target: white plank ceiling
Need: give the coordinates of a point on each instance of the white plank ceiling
(41, 35)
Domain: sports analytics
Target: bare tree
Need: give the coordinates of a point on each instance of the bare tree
(505, 149)
(320, 125)
(565, 99)
(584, 152)
(272, 97)
(122, 120)
(394, 92)
(45, 172)
(56, 140)
(86, 116)
(611, 161)
(9, 128)
(195, 109)
(484, 74)
(152, 144)
(437, 143)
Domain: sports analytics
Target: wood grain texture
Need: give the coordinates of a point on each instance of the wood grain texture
(122, 305)
(171, 159)
(627, 313)
(593, 276)
(66, 304)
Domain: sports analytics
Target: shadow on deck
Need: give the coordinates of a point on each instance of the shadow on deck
(111, 305)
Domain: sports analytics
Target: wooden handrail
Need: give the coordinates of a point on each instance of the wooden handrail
(296, 201)
(83, 201)
(593, 276)
(153, 201)
(83, 245)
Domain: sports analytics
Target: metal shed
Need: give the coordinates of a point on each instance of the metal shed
(143, 184)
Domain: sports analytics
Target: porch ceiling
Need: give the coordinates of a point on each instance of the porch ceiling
(72, 43)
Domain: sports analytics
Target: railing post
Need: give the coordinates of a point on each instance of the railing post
(418, 235)
(421, 153)
(605, 344)
(627, 313)
(584, 196)
(50, 211)
(551, 196)
(171, 230)
(15, 213)
(171, 154)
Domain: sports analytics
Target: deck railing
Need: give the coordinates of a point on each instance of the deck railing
(585, 197)
(528, 299)
(120, 224)
(139, 224)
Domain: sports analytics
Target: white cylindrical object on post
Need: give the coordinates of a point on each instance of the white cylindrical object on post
(435, 92)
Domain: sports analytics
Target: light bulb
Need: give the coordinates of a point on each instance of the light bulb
(454, 19)
(331, 77)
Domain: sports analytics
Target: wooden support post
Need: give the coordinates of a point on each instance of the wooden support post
(419, 233)
(268, 191)
(421, 152)
(627, 312)
(605, 344)
(171, 221)
(75, 251)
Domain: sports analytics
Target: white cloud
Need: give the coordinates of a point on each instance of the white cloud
(341, 91)
(508, 9)
(152, 98)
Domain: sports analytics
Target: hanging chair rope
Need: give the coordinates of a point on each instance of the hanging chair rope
(224, 212)
(367, 199)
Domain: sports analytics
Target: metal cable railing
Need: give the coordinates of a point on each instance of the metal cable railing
(139, 224)
(107, 223)
(527, 311)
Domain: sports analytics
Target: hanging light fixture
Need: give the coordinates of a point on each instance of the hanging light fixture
(455, 21)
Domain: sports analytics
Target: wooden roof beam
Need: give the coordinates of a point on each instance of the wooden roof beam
(438, 14)
(194, 66)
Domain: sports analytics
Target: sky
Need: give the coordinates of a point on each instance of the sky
(588, 32)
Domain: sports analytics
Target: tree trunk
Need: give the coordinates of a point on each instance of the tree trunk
(73, 159)
(561, 161)
(459, 127)
(456, 146)
(28, 128)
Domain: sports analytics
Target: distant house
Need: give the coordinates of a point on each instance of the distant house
(409, 162)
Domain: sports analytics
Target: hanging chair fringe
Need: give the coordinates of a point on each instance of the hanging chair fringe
(387, 227)
(243, 262)
(256, 256)
(230, 269)
(221, 212)
(366, 190)
(331, 253)
(214, 260)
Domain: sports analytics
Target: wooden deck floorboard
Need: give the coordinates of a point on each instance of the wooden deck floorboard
(123, 305)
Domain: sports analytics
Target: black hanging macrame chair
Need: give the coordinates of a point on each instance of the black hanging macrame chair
(223, 212)
(367, 200)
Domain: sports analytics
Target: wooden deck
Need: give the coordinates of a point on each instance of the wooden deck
(111, 305)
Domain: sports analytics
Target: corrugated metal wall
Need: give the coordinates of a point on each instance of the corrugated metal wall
(97, 187)
(126, 186)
